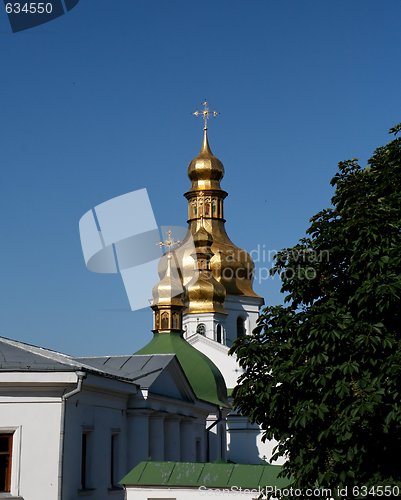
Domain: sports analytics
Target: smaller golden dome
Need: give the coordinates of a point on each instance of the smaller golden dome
(203, 239)
(204, 293)
(168, 292)
(205, 171)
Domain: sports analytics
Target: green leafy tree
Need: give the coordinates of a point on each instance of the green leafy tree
(323, 372)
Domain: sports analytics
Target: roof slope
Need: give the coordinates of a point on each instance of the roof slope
(143, 370)
(19, 356)
(210, 475)
(205, 378)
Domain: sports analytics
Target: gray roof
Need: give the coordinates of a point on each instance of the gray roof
(18, 356)
(142, 370)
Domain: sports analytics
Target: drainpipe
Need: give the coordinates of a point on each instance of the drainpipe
(219, 419)
(64, 397)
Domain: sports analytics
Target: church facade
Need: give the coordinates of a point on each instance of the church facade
(73, 427)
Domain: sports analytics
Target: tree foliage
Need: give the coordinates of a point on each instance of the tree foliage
(322, 374)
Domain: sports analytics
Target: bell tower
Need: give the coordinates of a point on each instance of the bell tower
(229, 265)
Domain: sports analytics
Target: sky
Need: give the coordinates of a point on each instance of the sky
(99, 102)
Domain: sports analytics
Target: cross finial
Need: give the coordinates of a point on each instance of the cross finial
(169, 242)
(206, 113)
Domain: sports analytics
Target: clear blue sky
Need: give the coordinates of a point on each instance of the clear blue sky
(98, 103)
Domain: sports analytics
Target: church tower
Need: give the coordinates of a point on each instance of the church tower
(229, 266)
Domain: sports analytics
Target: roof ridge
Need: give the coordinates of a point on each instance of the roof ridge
(41, 351)
(21, 343)
(58, 357)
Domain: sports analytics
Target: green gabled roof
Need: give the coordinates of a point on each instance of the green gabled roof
(205, 378)
(210, 475)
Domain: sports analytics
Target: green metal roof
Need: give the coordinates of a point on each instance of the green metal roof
(210, 475)
(205, 378)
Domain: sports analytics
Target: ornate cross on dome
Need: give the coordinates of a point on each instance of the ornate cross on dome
(169, 242)
(206, 113)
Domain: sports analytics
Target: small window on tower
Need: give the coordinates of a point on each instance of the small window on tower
(176, 321)
(218, 334)
(157, 321)
(201, 329)
(240, 327)
(164, 321)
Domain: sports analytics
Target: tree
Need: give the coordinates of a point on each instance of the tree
(322, 373)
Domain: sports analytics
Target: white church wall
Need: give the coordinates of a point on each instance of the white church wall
(244, 442)
(201, 493)
(31, 409)
(237, 306)
(99, 414)
(218, 353)
(165, 428)
(209, 322)
(36, 439)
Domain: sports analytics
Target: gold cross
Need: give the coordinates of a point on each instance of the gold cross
(169, 242)
(206, 113)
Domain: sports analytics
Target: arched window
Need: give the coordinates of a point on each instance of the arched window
(176, 321)
(201, 329)
(164, 321)
(157, 321)
(218, 334)
(240, 327)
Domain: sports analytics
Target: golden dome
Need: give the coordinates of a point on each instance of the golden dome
(169, 289)
(168, 299)
(203, 292)
(205, 171)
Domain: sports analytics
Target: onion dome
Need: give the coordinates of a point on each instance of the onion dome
(205, 171)
(169, 289)
(167, 300)
(204, 293)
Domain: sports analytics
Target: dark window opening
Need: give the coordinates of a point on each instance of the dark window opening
(218, 334)
(84, 464)
(114, 476)
(6, 445)
(198, 451)
(240, 327)
(86, 458)
(201, 329)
